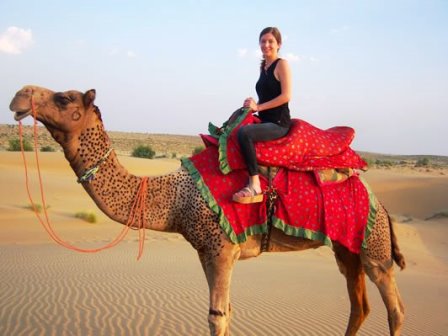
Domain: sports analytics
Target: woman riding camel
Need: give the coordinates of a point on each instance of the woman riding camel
(274, 92)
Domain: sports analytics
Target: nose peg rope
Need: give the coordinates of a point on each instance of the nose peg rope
(137, 212)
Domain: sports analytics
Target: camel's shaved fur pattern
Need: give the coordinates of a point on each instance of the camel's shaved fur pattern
(174, 204)
(379, 242)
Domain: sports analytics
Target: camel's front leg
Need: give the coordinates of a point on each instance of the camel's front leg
(218, 266)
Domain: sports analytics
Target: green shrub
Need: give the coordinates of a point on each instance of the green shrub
(370, 161)
(424, 162)
(438, 215)
(143, 151)
(198, 149)
(37, 207)
(88, 216)
(14, 145)
(384, 163)
(47, 149)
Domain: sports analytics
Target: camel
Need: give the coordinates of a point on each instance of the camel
(174, 204)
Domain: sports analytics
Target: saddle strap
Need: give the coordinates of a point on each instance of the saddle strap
(270, 207)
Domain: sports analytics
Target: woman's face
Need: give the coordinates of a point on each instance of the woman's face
(269, 45)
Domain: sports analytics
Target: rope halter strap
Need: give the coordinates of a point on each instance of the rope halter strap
(90, 173)
(137, 215)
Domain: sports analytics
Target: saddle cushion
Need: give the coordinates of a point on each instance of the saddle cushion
(304, 148)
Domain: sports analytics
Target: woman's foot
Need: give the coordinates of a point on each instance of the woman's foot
(248, 195)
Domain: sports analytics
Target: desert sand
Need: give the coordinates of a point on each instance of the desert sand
(48, 290)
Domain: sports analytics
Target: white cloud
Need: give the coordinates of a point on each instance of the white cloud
(300, 58)
(120, 53)
(15, 40)
(258, 54)
(292, 57)
(339, 30)
(131, 54)
(242, 52)
(80, 43)
(114, 51)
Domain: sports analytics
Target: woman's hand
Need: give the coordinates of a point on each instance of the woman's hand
(250, 103)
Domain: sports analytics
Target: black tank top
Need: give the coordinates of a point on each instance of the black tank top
(268, 88)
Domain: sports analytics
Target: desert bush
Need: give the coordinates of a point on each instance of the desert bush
(370, 161)
(173, 155)
(198, 149)
(143, 151)
(438, 215)
(88, 216)
(37, 207)
(14, 145)
(47, 149)
(384, 163)
(424, 162)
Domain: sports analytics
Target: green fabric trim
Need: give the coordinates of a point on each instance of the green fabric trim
(301, 232)
(276, 222)
(208, 197)
(211, 201)
(213, 130)
(227, 130)
(373, 205)
(252, 230)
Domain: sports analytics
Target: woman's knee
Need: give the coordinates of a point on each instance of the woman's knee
(243, 134)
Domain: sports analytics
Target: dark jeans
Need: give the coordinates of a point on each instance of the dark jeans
(248, 135)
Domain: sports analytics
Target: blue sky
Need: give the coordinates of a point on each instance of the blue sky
(378, 66)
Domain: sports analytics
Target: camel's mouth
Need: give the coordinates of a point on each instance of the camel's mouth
(19, 115)
(21, 106)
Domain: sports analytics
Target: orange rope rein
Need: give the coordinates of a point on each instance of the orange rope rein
(137, 213)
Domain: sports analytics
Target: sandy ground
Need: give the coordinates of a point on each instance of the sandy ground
(48, 290)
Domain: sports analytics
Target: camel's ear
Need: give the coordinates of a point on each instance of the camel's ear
(89, 97)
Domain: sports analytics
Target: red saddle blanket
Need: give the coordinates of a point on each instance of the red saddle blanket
(343, 212)
(304, 148)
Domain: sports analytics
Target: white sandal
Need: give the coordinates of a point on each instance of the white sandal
(252, 197)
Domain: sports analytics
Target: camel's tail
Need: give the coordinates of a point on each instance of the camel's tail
(397, 256)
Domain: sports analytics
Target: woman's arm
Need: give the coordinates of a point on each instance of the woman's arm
(283, 74)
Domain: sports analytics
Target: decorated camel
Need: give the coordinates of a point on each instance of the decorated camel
(175, 204)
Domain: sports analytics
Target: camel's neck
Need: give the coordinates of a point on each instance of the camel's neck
(113, 188)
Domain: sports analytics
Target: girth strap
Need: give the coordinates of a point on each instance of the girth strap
(271, 194)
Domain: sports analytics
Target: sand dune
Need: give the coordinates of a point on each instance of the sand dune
(48, 290)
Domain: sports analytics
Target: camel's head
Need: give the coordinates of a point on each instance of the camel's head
(68, 111)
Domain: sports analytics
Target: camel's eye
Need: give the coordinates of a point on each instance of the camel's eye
(62, 100)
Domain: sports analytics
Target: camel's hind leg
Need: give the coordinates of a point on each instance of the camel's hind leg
(350, 266)
(384, 279)
(382, 250)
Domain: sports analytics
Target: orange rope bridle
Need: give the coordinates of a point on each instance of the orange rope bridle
(137, 213)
